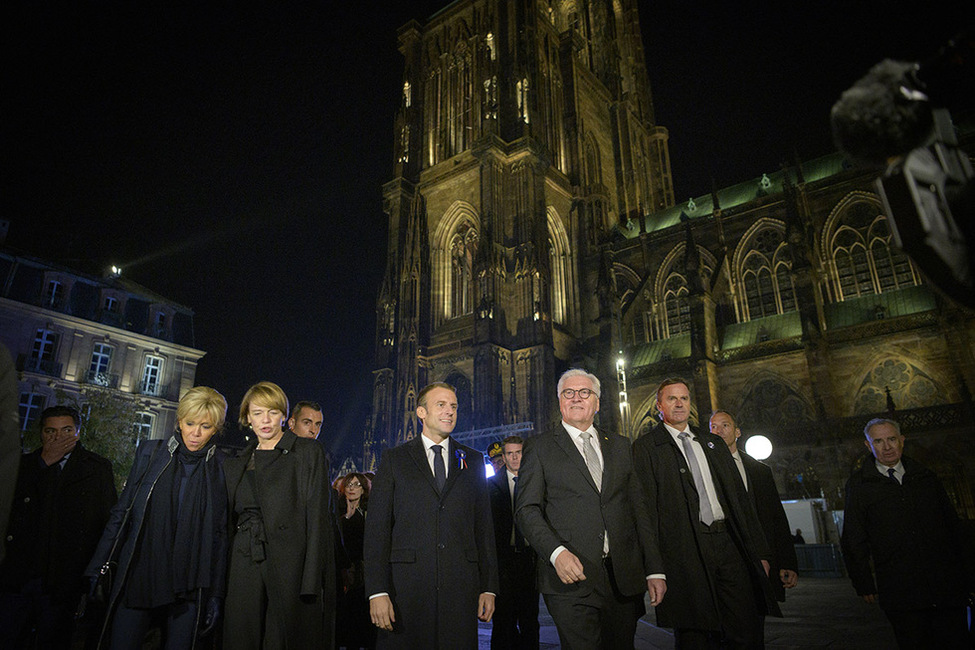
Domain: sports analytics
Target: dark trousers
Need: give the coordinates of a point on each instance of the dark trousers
(741, 620)
(129, 625)
(603, 619)
(515, 621)
(34, 616)
(934, 627)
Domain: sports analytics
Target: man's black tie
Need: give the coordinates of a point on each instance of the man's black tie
(892, 473)
(519, 538)
(439, 469)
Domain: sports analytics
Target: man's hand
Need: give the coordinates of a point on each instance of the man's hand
(569, 568)
(485, 607)
(381, 612)
(789, 578)
(765, 565)
(869, 598)
(657, 587)
(56, 447)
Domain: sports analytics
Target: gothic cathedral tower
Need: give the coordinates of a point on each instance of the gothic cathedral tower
(525, 137)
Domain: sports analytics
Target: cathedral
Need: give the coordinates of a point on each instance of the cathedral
(533, 228)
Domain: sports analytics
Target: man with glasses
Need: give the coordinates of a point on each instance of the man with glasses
(580, 506)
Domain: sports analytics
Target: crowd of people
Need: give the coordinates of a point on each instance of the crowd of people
(257, 548)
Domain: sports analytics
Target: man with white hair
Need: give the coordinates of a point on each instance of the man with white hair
(580, 506)
(899, 516)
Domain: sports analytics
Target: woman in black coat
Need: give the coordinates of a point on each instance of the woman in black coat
(282, 535)
(166, 539)
(353, 627)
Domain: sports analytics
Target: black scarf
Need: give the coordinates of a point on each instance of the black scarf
(175, 555)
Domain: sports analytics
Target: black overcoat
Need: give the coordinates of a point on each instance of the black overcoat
(912, 534)
(293, 492)
(432, 552)
(674, 507)
(124, 530)
(775, 524)
(64, 510)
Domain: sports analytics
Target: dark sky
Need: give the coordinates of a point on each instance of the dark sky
(232, 158)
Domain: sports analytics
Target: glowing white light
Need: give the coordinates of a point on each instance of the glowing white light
(488, 470)
(758, 447)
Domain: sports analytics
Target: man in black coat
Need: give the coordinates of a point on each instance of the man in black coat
(431, 568)
(760, 485)
(715, 557)
(899, 516)
(580, 506)
(63, 498)
(516, 607)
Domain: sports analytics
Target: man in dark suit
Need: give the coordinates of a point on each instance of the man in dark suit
(431, 568)
(580, 506)
(516, 611)
(61, 505)
(715, 556)
(899, 516)
(760, 484)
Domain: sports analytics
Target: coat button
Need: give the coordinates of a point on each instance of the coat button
(26, 499)
(441, 546)
(284, 451)
(682, 470)
(10, 538)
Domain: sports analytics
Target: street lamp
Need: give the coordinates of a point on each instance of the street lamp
(758, 447)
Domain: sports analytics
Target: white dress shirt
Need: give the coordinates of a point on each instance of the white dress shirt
(428, 448)
(705, 470)
(898, 470)
(741, 467)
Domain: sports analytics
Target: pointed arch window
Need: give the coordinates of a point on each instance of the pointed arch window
(677, 308)
(560, 267)
(861, 256)
(765, 273)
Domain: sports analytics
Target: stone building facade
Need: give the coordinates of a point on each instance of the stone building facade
(533, 227)
(67, 330)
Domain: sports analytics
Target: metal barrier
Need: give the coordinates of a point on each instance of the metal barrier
(820, 560)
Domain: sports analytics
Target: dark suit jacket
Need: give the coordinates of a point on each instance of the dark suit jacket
(912, 535)
(673, 502)
(501, 511)
(771, 514)
(56, 521)
(432, 552)
(558, 505)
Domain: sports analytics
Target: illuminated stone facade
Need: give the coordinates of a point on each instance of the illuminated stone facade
(67, 330)
(533, 227)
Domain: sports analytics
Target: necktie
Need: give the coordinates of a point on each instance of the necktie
(592, 460)
(439, 469)
(517, 539)
(706, 514)
(892, 473)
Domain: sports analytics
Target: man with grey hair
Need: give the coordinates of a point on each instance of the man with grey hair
(580, 506)
(899, 516)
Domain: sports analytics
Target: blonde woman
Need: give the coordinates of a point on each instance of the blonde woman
(166, 538)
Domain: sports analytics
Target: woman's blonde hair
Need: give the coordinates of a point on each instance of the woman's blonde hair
(266, 394)
(203, 401)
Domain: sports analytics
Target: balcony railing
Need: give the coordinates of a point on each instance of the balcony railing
(26, 363)
(153, 388)
(105, 379)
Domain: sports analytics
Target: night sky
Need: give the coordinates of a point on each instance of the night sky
(232, 158)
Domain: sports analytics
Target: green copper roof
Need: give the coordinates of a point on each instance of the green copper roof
(729, 197)
(770, 328)
(890, 304)
(676, 347)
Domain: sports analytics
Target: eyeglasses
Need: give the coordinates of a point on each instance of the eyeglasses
(352, 485)
(584, 393)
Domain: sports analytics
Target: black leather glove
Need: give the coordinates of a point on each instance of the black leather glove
(214, 608)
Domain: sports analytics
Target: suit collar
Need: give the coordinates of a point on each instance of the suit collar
(564, 440)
